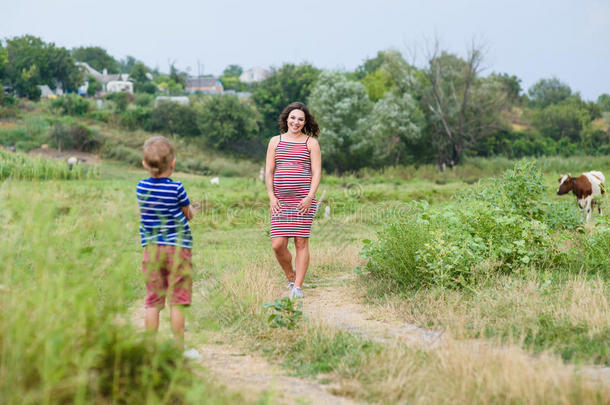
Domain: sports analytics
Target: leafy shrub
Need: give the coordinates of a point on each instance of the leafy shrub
(71, 104)
(497, 229)
(287, 313)
(135, 118)
(74, 136)
(144, 100)
(173, 118)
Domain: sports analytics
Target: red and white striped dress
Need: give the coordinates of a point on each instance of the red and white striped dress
(291, 183)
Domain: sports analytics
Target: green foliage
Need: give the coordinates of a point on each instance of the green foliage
(377, 84)
(173, 118)
(71, 135)
(94, 86)
(33, 62)
(138, 73)
(561, 121)
(604, 102)
(341, 107)
(546, 92)
(144, 100)
(288, 84)
(71, 104)
(233, 71)
(287, 313)
(228, 124)
(120, 99)
(96, 57)
(395, 125)
(135, 118)
(230, 78)
(510, 84)
(498, 229)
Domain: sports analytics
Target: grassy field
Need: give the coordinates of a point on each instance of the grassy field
(71, 277)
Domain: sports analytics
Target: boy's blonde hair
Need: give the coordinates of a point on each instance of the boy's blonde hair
(158, 154)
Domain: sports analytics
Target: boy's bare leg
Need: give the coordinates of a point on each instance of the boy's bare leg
(302, 261)
(152, 319)
(176, 317)
(283, 256)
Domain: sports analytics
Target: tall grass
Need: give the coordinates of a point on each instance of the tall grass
(70, 270)
(18, 166)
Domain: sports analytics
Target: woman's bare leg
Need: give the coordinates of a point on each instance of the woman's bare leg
(284, 258)
(302, 259)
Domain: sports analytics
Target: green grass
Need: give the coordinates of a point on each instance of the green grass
(70, 274)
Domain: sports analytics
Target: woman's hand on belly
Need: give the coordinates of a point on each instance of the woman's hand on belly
(305, 205)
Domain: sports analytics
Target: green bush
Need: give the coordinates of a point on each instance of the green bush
(74, 136)
(71, 104)
(144, 100)
(135, 118)
(173, 118)
(498, 229)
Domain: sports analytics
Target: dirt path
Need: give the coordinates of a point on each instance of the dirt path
(337, 305)
(249, 374)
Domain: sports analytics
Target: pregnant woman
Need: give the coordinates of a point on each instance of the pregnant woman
(292, 176)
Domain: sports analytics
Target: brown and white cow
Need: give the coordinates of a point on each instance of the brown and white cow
(587, 186)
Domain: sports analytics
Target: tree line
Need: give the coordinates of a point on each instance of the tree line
(386, 112)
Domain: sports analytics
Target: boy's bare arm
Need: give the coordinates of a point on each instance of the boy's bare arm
(188, 212)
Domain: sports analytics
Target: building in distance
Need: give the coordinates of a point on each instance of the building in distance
(255, 74)
(205, 85)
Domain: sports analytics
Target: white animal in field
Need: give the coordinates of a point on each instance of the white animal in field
(215, 180)
(327, 212)
(72, 161)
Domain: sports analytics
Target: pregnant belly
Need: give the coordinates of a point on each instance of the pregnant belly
(290, 183)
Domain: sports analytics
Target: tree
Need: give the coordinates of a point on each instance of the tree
(94, 86)
(548, 91)
(3, 61)
(462, 108)
(233, 71)
(97, 58)
(142, 83)
(32, 62)
(227, 123)
(288, 84)
(603, 101)
(125, 65)
(230, 78)
(394, 126)
(510, 84)
(562, 121)
(341, 108)
(177, 76)
(174, 118)
(377, 84)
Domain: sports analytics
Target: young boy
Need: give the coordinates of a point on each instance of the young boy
(164, 214)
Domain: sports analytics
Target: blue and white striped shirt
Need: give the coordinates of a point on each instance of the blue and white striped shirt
(162, 221)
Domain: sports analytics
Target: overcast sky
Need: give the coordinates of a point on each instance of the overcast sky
(531, 39)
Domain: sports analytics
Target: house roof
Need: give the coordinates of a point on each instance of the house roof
(202, 82)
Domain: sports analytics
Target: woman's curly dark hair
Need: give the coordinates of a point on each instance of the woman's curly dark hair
(310, 128)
